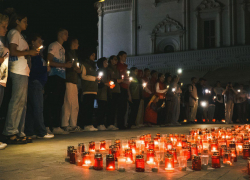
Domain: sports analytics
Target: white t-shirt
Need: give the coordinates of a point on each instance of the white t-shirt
(18, 64)
(58, 51)
(4, 65)
(218, 91)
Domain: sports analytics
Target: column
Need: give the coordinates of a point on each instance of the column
(134, 28)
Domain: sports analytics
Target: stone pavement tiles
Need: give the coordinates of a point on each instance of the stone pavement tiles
(45, 159)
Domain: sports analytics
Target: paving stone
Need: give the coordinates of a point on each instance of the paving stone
(45, 159)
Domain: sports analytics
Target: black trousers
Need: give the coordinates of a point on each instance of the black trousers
(219, 113)
(122, 108)
(101, 112)
(242, 111)
(86, 110)
(134, 107)
(113, 103)
(53, 101)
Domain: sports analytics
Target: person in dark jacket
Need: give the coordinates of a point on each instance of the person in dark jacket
(89, 83)
(114, 94)
(135, 95)
(102, 94)
(38, 76)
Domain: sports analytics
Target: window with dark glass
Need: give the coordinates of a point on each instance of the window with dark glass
(168, 49)
(209, 34)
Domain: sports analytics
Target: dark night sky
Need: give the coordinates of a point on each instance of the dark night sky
(79, 17)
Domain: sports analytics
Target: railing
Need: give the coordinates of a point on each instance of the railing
(199, 60)
(114, 5)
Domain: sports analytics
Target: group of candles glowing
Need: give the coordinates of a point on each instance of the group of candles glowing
(200, 147)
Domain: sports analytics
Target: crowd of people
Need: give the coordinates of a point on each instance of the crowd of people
(46, 99)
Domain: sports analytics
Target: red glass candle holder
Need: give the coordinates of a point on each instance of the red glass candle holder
(173, 152)
(246, 151)
(214, 146)
(118, 143)
(169, 145)
(86, 161)
(223, 150)
(187, 153)
(72, 158)
(150, 156)
(129, 155)
(98, 165)
(196, 163)
(216, 159)
(111, 149)
(179, 143)
(92, 147)
(227, 158)
(151, 145)
(103, 145)
(194, 150)
(133, 147)
(169, 162)
(139, 163)
(110, 162)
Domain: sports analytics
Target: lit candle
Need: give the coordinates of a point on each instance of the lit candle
(179, 71)
(216, 159)
(100, 75)
(139, 163)
(144, 85)
(130, 79)
(86, 162)
(128, 72)
(103, 145)
(98, 165)
(169, 162)
(78, 64)
(173, 90)
(48, 63)
(150, 156)
(92, 147)
(40, 47)
(122, 76)
(110, 162)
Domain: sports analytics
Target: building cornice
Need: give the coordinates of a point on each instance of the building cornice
(110, 6)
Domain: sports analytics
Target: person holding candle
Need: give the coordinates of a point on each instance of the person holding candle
(122, 108)
(90, 81)
(114, 94)
(34, 124)
(168, 78)
(192, 99)
(4, 58)
(19, 73)
(200, 86)
(229, 96)
(55, 86)
(219, 102)
(152, 109)
(174, 91)
(70, 107)
(147, 94)
(241, 104)
(161, 91)
(153, 81)
(102, 93)
(135, 93)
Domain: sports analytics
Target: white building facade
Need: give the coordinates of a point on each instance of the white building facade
(207, 38)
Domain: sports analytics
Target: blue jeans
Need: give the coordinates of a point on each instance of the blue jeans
(17, 106)
(34, 124)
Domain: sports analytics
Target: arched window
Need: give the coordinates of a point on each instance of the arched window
(168, 49)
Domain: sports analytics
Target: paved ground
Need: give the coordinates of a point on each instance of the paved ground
(44, 159)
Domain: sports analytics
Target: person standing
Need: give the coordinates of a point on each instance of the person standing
(55, 86)
(34, 124)
(114, 95)
(161, 91)
(241, 104)
(193, 101)
(168, 79)
(147, 94)
(153, 81)
(229, 96)
(89, 90)
(70, 107)
(135, 94)
(102, 93)
(219, 102)
(4, 58)
(200, 86)
(123, 104)
(19, 73)
(175, 91)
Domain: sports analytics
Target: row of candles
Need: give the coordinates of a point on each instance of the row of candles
(200, 147)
